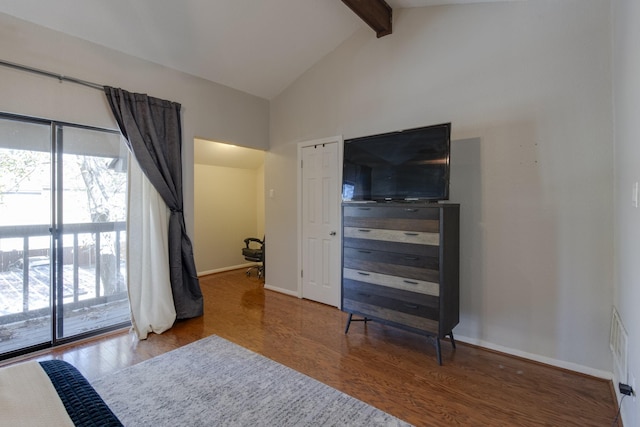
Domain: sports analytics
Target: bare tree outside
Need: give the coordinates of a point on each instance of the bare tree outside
(105, 187)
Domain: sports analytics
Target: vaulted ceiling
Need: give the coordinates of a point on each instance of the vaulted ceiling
(257, 46)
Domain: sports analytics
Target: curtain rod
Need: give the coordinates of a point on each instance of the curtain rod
(59, 77)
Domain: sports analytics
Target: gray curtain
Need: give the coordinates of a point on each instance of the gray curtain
(153, 130)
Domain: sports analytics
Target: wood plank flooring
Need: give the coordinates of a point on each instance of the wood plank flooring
(395, 371)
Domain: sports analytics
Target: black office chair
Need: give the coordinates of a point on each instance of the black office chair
(255, 253)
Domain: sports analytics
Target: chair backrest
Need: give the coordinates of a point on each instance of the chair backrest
(254, 253)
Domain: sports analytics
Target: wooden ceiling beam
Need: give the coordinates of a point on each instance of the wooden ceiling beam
(376, 13)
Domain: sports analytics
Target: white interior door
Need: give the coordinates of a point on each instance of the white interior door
(320, 226)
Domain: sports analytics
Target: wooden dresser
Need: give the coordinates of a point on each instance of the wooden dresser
(400, 266)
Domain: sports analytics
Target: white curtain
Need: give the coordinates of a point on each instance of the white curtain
(150, 296)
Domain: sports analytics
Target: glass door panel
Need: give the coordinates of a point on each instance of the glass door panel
(25, 243)
(91, 290)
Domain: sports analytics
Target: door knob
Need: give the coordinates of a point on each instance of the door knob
(333, 233)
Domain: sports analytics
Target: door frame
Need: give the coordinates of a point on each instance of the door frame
(330, 140)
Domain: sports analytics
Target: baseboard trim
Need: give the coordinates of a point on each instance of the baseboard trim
(282, 290)
(538, 358)
(220, 270)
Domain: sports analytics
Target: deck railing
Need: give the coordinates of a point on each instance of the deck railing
(91, 254)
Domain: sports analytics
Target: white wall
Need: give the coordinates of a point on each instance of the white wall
(527, 86)
(260, 196)
(226, 212)
(209, 110)
(281, 253)
(626, 77)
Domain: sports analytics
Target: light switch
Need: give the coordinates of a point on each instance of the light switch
(634, 195)
(272, 193)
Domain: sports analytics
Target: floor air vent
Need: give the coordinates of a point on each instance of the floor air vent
(618, 340)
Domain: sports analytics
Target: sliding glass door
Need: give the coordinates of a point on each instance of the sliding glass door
(62, 232)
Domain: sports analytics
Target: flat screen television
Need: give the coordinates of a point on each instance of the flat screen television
(408, 165)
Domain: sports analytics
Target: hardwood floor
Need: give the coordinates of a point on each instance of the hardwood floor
(395, 371)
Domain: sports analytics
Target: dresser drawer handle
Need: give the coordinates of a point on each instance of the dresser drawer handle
(362, 294)
(365, 252)
(410, 282)
(411, 210)
(415, 307)
(364, 230)
(412, 258)
(364, 209)
(363, 274)
(411, 234)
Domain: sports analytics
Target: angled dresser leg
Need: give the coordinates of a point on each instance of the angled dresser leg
(435, 340)
(438, 352)
(348, 323)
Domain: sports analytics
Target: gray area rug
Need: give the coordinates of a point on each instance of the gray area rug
(213, 382)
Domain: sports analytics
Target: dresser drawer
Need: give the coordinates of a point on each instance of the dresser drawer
(397, 247)
(396, 318)
(392, 299)
(413, 260)
(406, 212)
(414, 237)
(396, 282)
(406, 224)
(393, 269)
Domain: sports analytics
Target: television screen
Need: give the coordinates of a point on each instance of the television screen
(406, 165)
